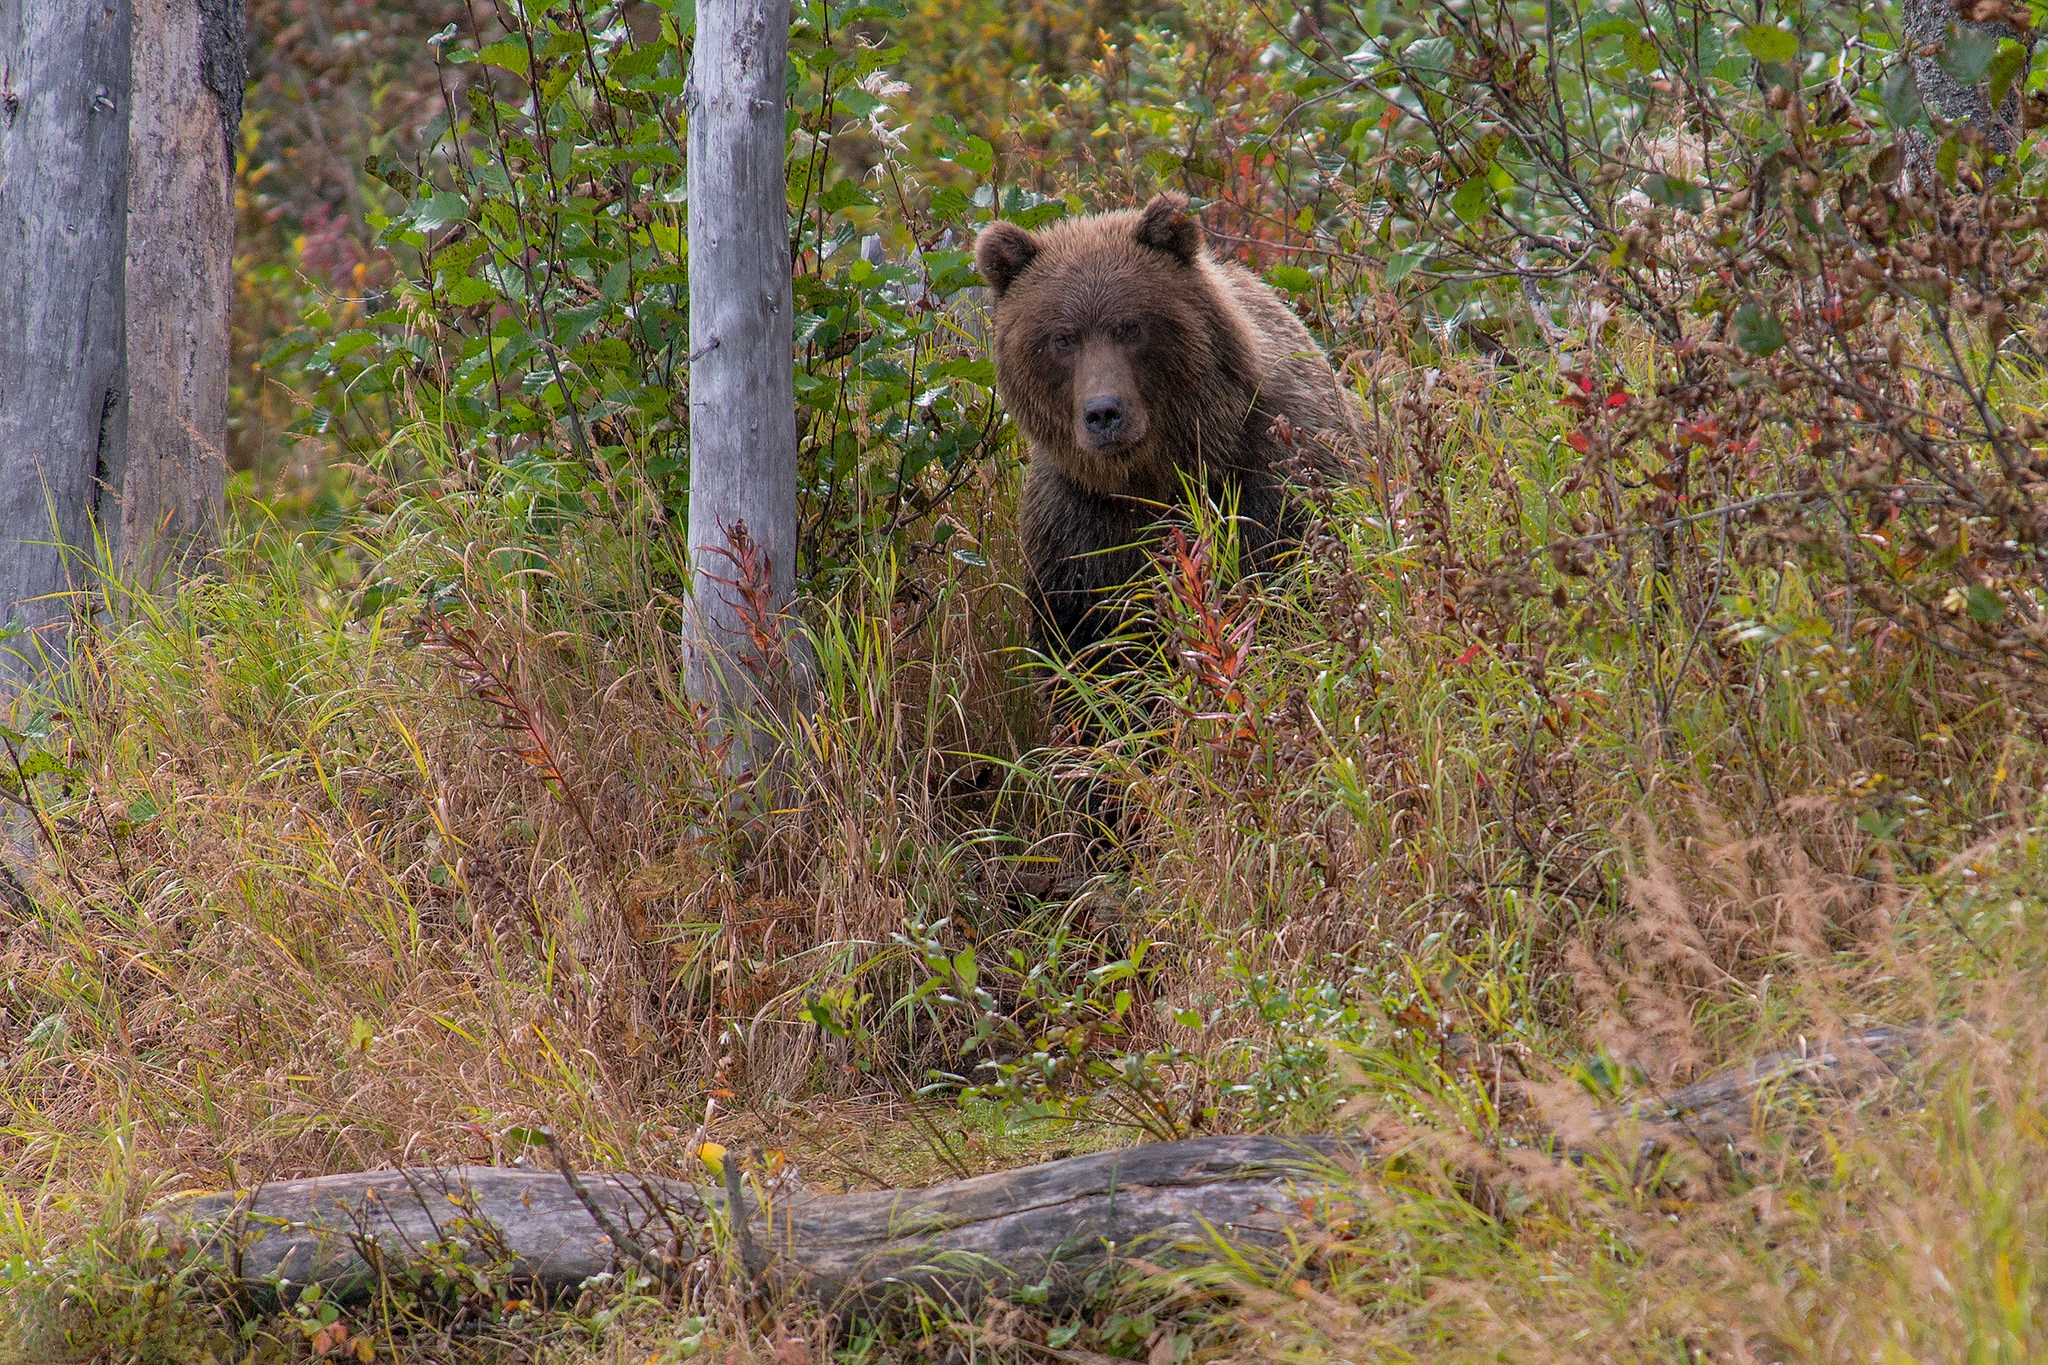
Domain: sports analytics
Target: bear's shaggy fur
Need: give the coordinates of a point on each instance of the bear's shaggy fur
(1131, 357)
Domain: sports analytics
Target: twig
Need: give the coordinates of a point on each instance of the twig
(27, 801)
(621, 1239)
(736, 1213)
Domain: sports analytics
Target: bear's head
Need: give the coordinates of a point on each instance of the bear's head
(1117, 350)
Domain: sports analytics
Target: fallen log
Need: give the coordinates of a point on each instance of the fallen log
(1728, 1102)
(1043, 1225)
(1048, 1224)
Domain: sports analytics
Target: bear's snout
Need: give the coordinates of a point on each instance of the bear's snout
(1102, 416)
(1108, 411)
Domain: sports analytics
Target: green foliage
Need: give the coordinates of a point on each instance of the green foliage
(539, 323)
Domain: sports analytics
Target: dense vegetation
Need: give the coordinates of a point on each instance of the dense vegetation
(1669, 688)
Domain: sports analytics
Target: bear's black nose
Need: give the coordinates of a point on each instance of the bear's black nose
(1103, 415)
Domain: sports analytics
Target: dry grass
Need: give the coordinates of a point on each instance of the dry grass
(331, 889)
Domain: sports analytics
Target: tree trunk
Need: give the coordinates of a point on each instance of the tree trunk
(1049, 1223)
(742, 530)
(64, 108)
(1927, 24)
(190, 68)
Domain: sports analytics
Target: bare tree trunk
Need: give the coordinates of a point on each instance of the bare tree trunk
(64, 107)
(1928, 23)
(742, 391)
(190, 68)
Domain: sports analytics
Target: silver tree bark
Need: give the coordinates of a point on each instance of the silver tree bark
(64, 106)
(1927, 24)
(190, 68)
(742, 528)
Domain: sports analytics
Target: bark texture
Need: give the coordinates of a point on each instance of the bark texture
(1725, 1105)
(189, 67)
(1927, 24)
(742, 383)
(1053, 1222)
(64, 109)
(1050, 1222)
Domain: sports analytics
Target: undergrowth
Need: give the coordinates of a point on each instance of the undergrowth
(1664, 691)
(323, 887)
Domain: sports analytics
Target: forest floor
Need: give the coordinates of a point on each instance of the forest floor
(319, 887)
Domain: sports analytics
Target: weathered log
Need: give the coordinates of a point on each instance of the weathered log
(1041, 1224)
(1048, 1224)
(1728, 1102)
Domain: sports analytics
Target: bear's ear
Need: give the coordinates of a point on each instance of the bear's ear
(1165, 225)
(1001, 253)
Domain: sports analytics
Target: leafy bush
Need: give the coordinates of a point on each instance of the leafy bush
(538, 325)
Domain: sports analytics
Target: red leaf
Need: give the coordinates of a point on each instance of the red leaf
(1579, 441)
(1701, 433)
(1616, 400)
(1470, 654)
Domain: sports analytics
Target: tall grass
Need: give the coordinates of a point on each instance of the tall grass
(331, 887)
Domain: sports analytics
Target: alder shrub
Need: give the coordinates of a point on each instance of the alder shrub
(1842, 292)
(535, 318)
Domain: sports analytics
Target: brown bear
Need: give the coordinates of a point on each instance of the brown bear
(1130, 358)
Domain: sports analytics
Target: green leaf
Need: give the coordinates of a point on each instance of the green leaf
(1187, 1019)
(843, 194)
(668, 239)
(509, 55)
(391, 171)
(2005, 68)
(1768, 42)
(1405, 261)
(1756, 331)
(1431, 55)
(1984, 605)
(977, 156)
(1946, 158)
(1472, 199)
(42, 761)
(1967, 54)
(1901, 95)
(641, 61)
(443, 209)
(1675, 192)
(1292, 278)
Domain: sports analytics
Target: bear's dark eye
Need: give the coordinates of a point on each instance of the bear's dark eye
(1126, 333)
(1064, 342)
